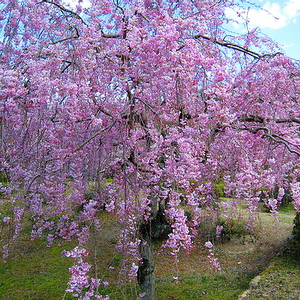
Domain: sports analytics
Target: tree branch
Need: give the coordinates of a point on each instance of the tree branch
(110, 36)
(235, 47)
(258, 119)
(76, 36)
(95, 135)
(290, 120)
(74, 14)
(230, 45)
(273, 136)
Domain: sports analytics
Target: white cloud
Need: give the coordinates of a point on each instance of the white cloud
(74, 3)
(292, 8)
(271, 15)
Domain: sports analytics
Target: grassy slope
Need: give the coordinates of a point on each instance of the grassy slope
(37, 272)
(281, 278)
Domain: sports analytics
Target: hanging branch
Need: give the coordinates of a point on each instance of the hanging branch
(274, 137)
(268, 133)
(74, 14)
(290, 120)
(76, 36)
(258, 119)
(230, 45)
(95, 135)
(235, 47)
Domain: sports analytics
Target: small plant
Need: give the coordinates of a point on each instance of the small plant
(224, 230)
(219, 189)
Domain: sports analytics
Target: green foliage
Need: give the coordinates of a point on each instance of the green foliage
(231, 227)
(287, 208)
(38, 272)
(69, 179)
(219, 189)
(281, 278)
(4, 178)
(188, 215)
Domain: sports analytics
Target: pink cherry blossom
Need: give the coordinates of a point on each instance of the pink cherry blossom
(141, 109)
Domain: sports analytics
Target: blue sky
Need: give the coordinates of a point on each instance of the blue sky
(278, 19)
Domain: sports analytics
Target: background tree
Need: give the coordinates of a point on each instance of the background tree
(152, 103)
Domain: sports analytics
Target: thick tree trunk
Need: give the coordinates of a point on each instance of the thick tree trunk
(146, 277)
(157, 228)
(296, 229)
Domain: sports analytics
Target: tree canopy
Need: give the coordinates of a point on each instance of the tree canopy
(148, 104)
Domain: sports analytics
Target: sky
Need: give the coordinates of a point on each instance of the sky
(278, 19)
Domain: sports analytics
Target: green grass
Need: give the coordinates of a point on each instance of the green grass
(190, 286)
(195, 286)
(281, 279)
(37, 272)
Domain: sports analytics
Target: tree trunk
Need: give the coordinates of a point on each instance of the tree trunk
(146, 277)
(157, 228)
(296, 229)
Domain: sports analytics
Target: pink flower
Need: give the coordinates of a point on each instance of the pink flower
(219, 230)
(6, 220)
(209, 245)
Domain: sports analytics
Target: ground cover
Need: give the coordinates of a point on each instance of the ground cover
(36, 272)
(280, 280)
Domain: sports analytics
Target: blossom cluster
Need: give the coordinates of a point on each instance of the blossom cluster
(215, 265)
(80, 280)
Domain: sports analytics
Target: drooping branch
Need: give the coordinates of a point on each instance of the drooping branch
(234, 47)
(75, 36)
(279, 139)
(259, 119)
(95, 135)
(110, 36)
(268, 133)
(290, 120)
(251, 118)
(274, 137)
(74, 14)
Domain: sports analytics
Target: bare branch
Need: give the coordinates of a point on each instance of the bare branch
(214, 131)
(146, 104)
(30, 184)
(285, 142)
(291, 120)
(258, 119)
(103, 110)
(252, 118)
(110, 36)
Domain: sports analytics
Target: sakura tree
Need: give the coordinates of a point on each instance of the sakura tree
(152, 102)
